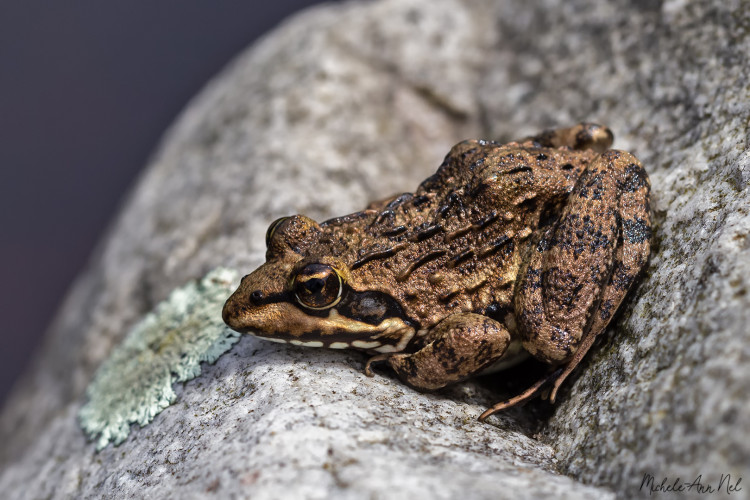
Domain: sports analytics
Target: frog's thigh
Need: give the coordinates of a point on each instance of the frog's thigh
(459, 346)
(578, 267)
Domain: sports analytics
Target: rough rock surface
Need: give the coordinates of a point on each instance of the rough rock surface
(356, 101)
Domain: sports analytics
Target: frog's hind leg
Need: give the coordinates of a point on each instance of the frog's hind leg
(578, 137)
(585, 263)
(631, 255)
(460, 346)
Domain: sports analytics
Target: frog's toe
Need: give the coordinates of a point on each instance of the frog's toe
(375, 359)
(535, 390)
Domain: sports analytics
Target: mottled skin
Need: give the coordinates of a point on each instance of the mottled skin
(532, 243)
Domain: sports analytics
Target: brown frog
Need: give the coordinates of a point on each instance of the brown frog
(526, 247)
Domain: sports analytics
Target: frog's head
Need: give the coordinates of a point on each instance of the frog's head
(305, 296)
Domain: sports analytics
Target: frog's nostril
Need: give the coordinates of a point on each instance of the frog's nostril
(256, 297)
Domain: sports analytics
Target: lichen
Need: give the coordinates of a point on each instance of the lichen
(166, 347)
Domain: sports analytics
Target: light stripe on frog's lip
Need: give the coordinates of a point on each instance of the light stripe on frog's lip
(366, 345)
(355, 344)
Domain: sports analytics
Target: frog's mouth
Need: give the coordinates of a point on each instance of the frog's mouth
(286, 323)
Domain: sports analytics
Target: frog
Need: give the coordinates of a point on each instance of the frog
(509, 251)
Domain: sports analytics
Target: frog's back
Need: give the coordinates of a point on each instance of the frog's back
(455, 245)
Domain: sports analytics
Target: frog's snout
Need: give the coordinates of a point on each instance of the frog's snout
(230, 313)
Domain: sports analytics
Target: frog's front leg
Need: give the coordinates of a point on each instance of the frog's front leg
(457, 348)
(583, 265)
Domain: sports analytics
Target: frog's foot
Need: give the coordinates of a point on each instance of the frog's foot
(457, 348)
(526, 395)
(578, 137)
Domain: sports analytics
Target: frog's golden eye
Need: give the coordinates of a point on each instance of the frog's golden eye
(318, 286)
(272, 229)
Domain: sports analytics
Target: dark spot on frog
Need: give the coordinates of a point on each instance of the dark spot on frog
(599, 240)
(621, 277)
(420, 200)
(384, 215)
(533, 279)
(544, 244)
(528, 205)
(428, 232)
(518, 169)
(605, 310)
(559, 334)
(635, 178)
(453, 200)
(561, 287)
(541, 157)
(486, 221)
(393, 232)
(503, 242)
(409, 368)
(465, 254)
(447, 357)
(530, 317)
(399, 200)
(636, 230)
(484, 352)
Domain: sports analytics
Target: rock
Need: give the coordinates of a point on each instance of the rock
(169, 345)
(352, 102)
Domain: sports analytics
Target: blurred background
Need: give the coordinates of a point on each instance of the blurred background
(86, 90)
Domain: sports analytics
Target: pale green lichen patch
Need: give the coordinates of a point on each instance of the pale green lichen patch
(167, 346)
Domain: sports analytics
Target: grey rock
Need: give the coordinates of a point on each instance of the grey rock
(354, 102)
(169, 345)
(269, 421)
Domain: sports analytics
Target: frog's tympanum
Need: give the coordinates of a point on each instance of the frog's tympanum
(508, 249)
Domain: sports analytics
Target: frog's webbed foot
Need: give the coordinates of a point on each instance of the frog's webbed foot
(578, 137)
(457, 348)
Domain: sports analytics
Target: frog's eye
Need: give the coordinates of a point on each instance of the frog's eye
(318, 286)
(272, 229)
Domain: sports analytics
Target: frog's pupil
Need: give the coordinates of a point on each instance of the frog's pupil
(315, 285)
